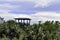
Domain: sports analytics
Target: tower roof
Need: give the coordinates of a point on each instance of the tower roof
(22, 19)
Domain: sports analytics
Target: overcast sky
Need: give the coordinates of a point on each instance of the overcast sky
(35, 9)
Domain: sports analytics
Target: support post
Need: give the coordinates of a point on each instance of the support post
(23, 22)
(29, 22)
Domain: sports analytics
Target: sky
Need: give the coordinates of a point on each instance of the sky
(37, 10)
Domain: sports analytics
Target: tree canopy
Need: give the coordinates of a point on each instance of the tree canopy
(41, 31)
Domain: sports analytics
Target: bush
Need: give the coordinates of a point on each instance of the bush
(42, 31)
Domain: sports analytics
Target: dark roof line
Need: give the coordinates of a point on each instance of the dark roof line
(22, 19)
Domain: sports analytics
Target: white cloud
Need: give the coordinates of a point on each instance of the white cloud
(7, 6)
(43, 16)
(38, 3)
(39, 16)
(43, 3)
(16, 0)
(10, 16)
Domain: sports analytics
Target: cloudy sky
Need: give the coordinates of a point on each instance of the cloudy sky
(35, 9)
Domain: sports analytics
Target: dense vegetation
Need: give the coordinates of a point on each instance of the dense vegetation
(48, 30)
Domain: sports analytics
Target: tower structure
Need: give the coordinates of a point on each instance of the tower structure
(23, 21)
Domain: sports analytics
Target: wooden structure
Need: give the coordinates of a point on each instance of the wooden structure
(23, 21)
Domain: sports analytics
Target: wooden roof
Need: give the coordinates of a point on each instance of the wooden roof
(22, 19)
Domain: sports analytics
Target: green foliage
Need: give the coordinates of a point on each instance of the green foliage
(41, 31)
